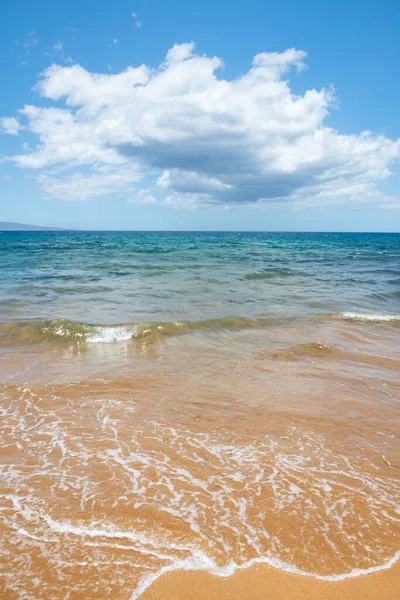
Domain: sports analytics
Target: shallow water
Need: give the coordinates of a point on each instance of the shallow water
(114, 277)
(256, 420)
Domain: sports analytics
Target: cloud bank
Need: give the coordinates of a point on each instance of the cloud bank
(199, 138)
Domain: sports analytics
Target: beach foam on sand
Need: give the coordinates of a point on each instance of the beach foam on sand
(261, 582)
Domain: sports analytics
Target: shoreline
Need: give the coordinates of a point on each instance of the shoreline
(264, 582)
(188, 419)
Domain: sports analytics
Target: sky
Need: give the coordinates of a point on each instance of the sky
(217, 115)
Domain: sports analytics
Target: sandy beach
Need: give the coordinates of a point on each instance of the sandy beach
(266, 583)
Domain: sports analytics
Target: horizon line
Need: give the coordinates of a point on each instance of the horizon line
(49, 229)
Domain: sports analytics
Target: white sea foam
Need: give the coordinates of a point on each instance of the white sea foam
(144, 540)
(201, 562)
(369, 317)
(110, 335)
(298, 472)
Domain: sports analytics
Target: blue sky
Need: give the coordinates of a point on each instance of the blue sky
(213, 115)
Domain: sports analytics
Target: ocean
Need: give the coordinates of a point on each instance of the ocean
(196, 400)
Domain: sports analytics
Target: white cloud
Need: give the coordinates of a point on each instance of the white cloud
(179, 53)
(10, 125)
(115, 41)
(145, 196)
(82, 186)
(139, 24)
(391, 203)
(204, 139)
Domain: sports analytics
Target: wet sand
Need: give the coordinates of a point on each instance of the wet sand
(266, 583)
(125, 461)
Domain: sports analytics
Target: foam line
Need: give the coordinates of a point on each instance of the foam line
(201, 562)
(369, 317)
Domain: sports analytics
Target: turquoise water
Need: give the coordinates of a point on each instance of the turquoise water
(133, 277)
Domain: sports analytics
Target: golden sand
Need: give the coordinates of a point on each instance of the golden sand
(202, 452)
(265, 583)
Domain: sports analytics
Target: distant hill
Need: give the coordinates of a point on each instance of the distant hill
(7, 226)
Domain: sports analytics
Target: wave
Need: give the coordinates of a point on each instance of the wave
(110, 335)
(266, 275)
(201, 562)
(368, 317)
(319, 351)
(311, 350)
(68, 332)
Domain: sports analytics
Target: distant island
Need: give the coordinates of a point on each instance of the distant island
(8, 226)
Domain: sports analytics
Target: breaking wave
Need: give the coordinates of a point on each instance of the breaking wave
(368, 317)
(67, 332)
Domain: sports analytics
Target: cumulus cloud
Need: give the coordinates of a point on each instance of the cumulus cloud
(10, 125)
(203, 139)
(144, 196)
(81, 186)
